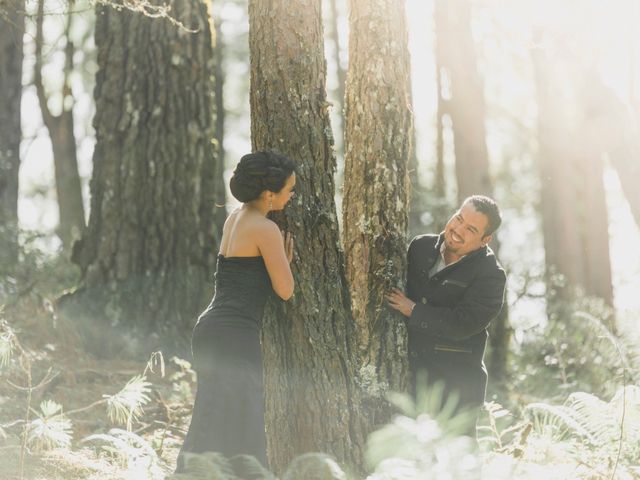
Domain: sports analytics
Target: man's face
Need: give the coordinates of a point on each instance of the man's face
(464, 232)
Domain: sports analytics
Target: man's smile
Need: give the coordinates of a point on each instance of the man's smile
(456, 238)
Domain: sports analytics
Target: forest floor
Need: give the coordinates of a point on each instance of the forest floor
(80, 384)
(98, 445)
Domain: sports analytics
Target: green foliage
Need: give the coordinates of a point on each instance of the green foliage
(601, 435)
(501, 430)
(51, 429)
(129, 450)
(125, 407)
(6, 342)
(574, 351)
(36, 271)
(583, 438)
(314, 466)
(425, 442)
(182, 381)
(215, 466)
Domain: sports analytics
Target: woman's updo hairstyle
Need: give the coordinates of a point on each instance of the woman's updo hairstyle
(260, 171)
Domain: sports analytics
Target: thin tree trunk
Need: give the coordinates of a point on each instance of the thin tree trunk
(60, 128)
(466, 107)
(593, 209)
(11, 55)
(558, 179)
(311, 397)
(574, 212)
(418, 194)
(219, 78)
(625, 158)
(149, 251)
(440, 216)
(378, 147)
(619, 130)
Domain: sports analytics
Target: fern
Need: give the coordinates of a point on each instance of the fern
(51, 429)
(603, 437)
(125, 407)
(6, 344)
(131, 451)
(560, 421)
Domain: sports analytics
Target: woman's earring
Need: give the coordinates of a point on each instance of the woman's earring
(270, 204)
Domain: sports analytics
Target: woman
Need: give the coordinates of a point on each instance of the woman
(254, 258)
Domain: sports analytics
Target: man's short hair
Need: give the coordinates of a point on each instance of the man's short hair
(489, 208)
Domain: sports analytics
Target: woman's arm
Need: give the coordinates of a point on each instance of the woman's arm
(277, 251)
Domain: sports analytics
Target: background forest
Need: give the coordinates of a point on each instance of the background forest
(120, 125)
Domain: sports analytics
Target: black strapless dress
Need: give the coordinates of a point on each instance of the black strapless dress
(228, 415)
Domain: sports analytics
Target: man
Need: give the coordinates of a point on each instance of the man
(455, 287)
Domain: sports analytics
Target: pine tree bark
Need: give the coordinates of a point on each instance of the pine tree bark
(63, 140)
(466, 107)
(311, 398)
(11, 55)
(149, 252)
(376, 189)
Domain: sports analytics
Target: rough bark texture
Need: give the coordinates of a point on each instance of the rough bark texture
(311, 398)
(11, 33)
(572, 197)
(60, 127)
(456, 55)
(376, 189)
(149, 252)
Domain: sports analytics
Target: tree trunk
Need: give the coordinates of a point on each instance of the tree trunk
(149, 252)
(592, 210)
(466, 107)
(219, 78)
(378, 147)
(619, 130)
(558, 178)
(418, 196)
(575, 222)
(60, 128)
(11, 33)
(311, 396)
(625, 158)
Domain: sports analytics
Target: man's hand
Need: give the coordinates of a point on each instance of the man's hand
(399, 301)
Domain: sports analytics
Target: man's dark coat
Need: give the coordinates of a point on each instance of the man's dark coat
(448, 325)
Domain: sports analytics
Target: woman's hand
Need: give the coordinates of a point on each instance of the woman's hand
(287, 239)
